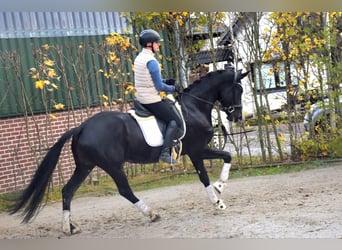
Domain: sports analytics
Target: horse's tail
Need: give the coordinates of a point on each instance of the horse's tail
(32, 196)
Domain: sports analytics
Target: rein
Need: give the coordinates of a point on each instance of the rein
(229, 109)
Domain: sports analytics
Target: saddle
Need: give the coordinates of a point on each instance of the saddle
(151, 127)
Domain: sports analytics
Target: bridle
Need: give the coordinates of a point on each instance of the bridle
(232, 108)
(229, 109)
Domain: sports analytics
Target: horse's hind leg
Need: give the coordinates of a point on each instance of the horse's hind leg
(125, 190)
(68, 192)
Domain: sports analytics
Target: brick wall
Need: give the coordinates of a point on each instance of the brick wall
(24, 142)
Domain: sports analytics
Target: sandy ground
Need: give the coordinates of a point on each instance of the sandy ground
(307, 204)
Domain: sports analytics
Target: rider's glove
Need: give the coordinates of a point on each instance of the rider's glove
(170, 81)
(178, 88)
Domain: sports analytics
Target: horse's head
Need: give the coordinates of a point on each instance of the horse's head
(230, 96)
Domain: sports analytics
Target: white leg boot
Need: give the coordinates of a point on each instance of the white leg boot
(219, 204)
(221, 183)
(68, 227)
(147, 211)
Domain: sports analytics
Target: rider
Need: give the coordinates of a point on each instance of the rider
(148, 83)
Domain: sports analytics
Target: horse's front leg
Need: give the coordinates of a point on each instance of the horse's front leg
(204, 178)
(219, 154)
(222, 182)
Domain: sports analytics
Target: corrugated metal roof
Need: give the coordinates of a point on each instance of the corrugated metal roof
(53, 24)
(205, 57)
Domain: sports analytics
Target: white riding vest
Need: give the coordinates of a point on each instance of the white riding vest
(145, 89)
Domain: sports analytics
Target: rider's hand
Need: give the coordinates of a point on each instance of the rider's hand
(178, 88)
(170, 81)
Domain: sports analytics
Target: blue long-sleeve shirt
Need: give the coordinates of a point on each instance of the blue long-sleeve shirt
(159, 83)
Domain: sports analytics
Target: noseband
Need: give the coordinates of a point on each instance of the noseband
(231, 108)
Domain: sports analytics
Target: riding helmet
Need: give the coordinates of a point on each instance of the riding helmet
(147, 36)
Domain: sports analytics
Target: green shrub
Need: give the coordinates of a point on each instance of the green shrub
(322, 145)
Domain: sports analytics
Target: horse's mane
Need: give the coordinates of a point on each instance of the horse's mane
(208, 76)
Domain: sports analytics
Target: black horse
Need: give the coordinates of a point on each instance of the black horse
(110, 138)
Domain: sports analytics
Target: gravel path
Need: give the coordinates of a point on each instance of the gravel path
(306, 204)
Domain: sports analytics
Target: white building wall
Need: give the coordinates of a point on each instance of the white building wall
(245, 57)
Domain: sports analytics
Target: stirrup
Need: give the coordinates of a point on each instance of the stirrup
(167, 159)
(219, 185)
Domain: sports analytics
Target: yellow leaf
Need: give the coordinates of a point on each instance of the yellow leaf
(51, 73)
(40, 84)
(59, 106)
(130, 88)
(45, 46)
(34, 73)
(49, 62)
(267, 117)
(54, 86)
(53, 116)
(112, 56)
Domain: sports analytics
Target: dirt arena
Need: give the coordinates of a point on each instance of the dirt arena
(306, 204)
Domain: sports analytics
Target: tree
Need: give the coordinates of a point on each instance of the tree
(178, 30)
(252, 45)
(308, 42)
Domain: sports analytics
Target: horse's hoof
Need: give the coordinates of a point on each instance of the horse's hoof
(72, 229)
(75, 229)
(219, 185)
(220, 205)
(66, 232)
(154, 216)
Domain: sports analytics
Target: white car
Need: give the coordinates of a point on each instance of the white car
(318, 115)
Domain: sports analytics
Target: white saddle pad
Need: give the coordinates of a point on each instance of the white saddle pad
(150, 129)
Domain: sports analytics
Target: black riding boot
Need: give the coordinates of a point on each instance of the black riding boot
(170, 133)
